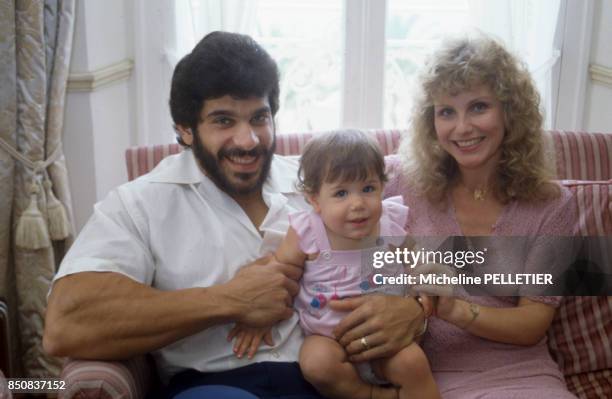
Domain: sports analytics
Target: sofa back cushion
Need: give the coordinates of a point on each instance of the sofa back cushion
(578, 155)
(583, 156)
(579, 338)
(141, 160)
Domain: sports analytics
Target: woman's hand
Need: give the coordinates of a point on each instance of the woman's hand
(445, 307)
(437, 300)
(377, 325)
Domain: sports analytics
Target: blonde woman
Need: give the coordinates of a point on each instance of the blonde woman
(474, 165)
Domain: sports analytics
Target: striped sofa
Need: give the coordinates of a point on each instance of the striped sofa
(4, 391)
(579, 338)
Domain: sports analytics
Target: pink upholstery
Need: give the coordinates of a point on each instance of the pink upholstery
(595, 384)
(140, 160)
(594, 205)
(579, 338)
(4, 392)
(130, 379)
(583, 156)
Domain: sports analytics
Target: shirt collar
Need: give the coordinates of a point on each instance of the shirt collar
(283, 175)
(182, 168)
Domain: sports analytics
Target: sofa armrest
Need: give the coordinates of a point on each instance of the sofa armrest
(592, 384)
(87, 379)
(4, 391)
(5, 344)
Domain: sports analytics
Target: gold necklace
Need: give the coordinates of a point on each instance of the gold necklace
(479, 194)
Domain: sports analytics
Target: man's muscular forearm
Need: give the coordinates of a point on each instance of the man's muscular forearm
(109, 316)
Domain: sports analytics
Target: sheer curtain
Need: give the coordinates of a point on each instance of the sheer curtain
(528, 28)
(196, 18)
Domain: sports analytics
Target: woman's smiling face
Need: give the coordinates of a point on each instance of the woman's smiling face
(470, 127)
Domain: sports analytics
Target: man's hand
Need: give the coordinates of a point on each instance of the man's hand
(388, 324)
(262, 292)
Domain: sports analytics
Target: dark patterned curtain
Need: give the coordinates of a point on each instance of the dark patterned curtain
(35, 210)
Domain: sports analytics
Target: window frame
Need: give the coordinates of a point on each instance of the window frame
(364, 62)
(363, 94)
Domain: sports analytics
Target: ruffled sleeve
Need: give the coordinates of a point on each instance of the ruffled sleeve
(393, 220)
(301, 222)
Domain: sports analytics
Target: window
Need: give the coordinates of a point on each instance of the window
(351, 63)
(306, 38)
(412, 30)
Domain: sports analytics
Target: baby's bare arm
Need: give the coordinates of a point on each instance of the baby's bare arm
(289, 250)
(248, 338)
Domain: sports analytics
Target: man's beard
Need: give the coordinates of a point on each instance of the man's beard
(210, 164)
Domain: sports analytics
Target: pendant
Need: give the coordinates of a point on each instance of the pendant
(479, 194)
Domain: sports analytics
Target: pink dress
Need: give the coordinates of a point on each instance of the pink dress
(466, 366)
(341, 274)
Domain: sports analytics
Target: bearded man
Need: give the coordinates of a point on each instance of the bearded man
(171, 261)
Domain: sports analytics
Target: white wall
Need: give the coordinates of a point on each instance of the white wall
(98, 121)
(154, 124)
(597, 115)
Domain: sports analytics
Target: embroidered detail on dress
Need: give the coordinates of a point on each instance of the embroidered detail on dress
(320, 288)
(319, 301)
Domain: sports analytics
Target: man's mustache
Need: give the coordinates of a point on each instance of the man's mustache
(237, 152)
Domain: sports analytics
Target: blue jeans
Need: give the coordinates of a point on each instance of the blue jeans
(265, 380)
(215, 392)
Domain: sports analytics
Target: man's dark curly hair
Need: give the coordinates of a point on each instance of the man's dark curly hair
(222, 63)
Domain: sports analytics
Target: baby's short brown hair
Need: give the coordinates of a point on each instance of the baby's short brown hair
(347, 155)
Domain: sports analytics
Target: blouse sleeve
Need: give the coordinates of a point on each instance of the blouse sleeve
(554, 301)
(394, 217)
(560, 217)
(552, 249)
(301, 222)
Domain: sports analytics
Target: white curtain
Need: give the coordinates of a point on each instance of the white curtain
(527, 27)
(195, 18)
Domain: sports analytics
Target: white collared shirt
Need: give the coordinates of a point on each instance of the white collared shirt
(174, 229)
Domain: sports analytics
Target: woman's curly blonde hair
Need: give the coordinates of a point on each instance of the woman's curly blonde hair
(460, 64)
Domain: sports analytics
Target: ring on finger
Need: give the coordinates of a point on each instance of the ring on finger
(364, 343)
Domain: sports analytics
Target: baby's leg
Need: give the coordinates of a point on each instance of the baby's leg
(325, 365)
(409, 370)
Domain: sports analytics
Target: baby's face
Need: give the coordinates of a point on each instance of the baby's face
(350, 209)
